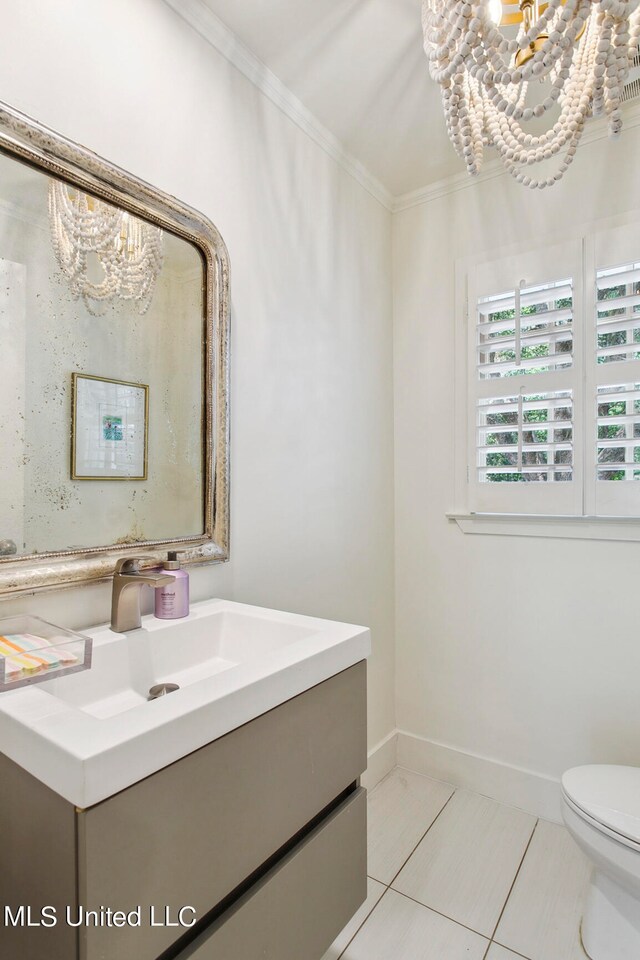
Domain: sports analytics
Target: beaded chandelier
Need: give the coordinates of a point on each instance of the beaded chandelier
(571, 57)
(128, 252)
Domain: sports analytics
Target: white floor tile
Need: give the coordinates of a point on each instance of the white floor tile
(401, 808)
(496, 952)
(374, 892)
(399, 929)
(466, 864)
(542, 917)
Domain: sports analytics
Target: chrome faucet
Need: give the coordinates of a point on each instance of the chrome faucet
(128, 580)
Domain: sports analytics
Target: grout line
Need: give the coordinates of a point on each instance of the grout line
(440, 914)
(521, 956)
(404, 863)
(427, 776)
(347, 945)
(452, 919)
(387, 886)
(504, 906)
(484, 957)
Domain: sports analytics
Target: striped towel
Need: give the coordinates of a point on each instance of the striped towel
(27, 655)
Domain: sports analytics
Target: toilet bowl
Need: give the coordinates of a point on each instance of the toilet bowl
(601, 809)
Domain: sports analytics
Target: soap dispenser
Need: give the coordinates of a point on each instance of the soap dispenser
(172, 599)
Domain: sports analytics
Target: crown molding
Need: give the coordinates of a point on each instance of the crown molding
(595, 130)
(198, 15)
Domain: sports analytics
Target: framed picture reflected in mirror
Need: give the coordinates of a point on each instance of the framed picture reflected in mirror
(109, 428)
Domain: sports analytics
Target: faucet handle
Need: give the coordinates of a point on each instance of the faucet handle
(129, 564)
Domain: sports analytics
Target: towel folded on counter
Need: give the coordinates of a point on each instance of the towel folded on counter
(25, 655)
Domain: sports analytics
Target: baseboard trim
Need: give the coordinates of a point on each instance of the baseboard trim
(381, 760)
(532, 792)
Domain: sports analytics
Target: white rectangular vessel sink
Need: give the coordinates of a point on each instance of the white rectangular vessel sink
(91, 734)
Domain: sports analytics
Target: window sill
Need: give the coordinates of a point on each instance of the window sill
(530, 525)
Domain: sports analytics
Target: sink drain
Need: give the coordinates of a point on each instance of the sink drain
(162, 689)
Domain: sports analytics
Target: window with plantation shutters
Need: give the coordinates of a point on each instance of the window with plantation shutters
(553, 380)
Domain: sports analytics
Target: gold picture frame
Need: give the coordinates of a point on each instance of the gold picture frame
(109, 428)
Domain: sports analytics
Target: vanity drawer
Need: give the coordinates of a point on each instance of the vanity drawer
(298, 908)
(193, 832)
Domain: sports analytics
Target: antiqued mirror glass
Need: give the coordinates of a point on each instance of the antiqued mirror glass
(113, 368)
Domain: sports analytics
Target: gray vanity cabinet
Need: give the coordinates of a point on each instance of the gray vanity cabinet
(297, 909)
(262, 833)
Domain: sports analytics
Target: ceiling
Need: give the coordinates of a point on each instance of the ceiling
(359, 67)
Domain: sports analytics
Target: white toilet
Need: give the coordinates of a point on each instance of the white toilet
(601, 808)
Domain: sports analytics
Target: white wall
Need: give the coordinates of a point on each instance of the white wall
(312, 466)
(556, 684)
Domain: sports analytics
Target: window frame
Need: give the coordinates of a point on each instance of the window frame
(580, 521)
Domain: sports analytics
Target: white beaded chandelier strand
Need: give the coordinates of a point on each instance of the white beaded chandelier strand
(583, 48)
(129, 251)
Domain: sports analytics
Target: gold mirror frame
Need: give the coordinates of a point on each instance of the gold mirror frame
(37, 145)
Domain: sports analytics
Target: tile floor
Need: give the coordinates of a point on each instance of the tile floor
(455, 876)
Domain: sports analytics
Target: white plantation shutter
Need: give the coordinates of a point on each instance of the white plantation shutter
(527, 330)
(526, 438)
(618, 436)
(613, 376)
(618, 313)
(524, 375)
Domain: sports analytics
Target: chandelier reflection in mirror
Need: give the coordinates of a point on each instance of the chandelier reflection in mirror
(127, 252)
(561, 61)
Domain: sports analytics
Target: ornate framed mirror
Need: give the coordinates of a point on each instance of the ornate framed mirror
(114, 368)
